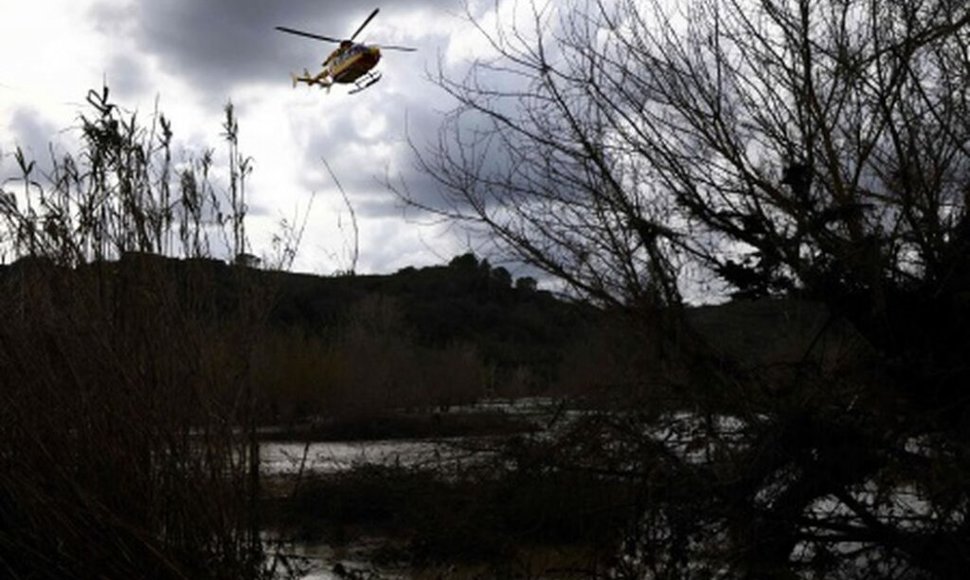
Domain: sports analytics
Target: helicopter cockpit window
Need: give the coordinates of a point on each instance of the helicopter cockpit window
(348, 53)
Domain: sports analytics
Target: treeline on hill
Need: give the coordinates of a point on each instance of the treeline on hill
(440, 335)
(362, 345)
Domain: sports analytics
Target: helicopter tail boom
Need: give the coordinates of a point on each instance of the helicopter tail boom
(310, 80)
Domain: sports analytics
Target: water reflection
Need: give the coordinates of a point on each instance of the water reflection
(319, 561)
(282, 458)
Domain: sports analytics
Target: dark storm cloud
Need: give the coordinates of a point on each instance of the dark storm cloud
(369, 181)
(379, 206)
(219, 43)
(126, 76)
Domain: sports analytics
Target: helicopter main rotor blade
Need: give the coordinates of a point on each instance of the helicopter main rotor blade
(307, 34)
(393, 47)
(369, 18)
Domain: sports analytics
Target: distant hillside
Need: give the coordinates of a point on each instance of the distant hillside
(510, 322)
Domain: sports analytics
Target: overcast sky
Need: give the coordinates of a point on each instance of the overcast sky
(195, 55)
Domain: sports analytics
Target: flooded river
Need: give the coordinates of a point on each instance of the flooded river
(289, 457)
(318, 560)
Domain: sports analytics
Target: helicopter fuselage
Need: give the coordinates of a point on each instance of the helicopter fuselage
(346, 65)
(351, 63)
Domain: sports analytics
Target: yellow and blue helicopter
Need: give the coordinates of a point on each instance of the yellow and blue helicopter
(351, 62)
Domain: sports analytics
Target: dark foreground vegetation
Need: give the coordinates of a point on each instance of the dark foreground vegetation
(500, 517)
(807, 157)
(127, 413)
(811, 149)
(121, 416)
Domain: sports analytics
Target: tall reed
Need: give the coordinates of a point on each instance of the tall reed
(127, 413)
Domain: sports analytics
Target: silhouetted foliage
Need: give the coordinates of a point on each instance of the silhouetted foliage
(792, 149)
(127, 416)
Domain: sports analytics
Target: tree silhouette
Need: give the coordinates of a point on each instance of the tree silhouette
(815, 149)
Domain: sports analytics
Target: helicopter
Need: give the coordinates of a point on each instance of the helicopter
(351, 62)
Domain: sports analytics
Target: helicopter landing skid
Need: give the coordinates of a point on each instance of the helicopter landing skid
(364, 82)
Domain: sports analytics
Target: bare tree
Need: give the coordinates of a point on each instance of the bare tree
(789, 147)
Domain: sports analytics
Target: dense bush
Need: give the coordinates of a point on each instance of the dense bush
(127, 446)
